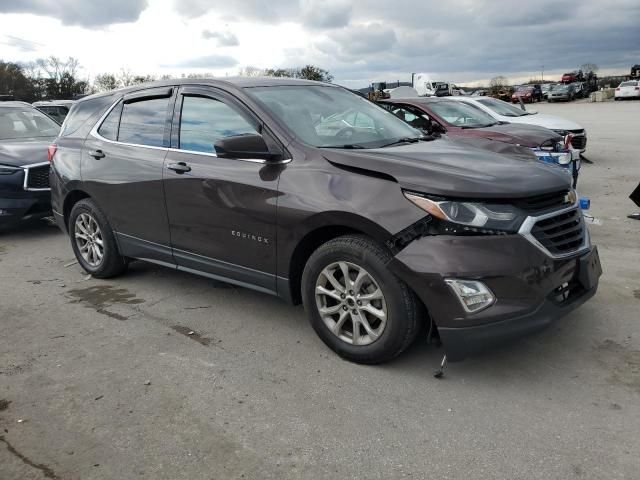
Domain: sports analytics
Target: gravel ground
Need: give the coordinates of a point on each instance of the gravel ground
(100, 379)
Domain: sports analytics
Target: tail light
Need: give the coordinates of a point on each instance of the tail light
(51, 151)
(618, 89)
(637, 88)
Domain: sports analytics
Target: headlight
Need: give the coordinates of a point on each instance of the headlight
(8, 170)
(559, 158)
(481, 217)
(563, 158)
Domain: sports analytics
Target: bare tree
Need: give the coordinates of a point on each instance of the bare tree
(126, 78)
(589, 68)
(498, 83)
(250, 71)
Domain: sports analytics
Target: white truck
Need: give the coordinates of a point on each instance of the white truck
(426, 86)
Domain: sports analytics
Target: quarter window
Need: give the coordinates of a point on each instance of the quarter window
(109, 128)
(204, 121)
(143, 122)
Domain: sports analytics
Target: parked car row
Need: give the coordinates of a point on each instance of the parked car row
(463, 119)
(383, 227)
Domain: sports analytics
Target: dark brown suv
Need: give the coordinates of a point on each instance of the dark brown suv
(306, 191)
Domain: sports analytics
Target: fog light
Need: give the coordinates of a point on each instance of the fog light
(474, 296)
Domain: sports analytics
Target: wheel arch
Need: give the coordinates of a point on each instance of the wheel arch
(319, 230)
(73, 197)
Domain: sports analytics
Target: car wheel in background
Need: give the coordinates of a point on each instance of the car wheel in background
(358, 307)
(93, 241)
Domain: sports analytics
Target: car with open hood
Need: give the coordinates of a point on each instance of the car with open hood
(25, 135)
(381, 232)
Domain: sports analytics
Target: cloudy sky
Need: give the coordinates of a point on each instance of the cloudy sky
(358, 41)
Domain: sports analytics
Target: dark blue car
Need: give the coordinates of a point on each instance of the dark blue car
(25, 134)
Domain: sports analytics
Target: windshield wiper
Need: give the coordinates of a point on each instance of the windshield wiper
(406, 140)
(349, 146)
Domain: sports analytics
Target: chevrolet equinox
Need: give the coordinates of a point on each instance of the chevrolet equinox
(307, 191)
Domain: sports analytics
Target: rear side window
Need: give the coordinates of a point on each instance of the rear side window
(109, 128)
(204, 121)
(83, 111)
(143, 122)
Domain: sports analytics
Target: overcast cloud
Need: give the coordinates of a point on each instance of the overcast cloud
(87, 13)
(224, 39)
(357, 41)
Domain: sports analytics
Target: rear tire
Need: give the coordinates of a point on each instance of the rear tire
(380, 308)
(93, 241)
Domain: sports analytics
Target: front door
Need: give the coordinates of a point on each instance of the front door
(222, 211)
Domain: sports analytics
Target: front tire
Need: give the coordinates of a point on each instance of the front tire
(93, 241)
(360, 310)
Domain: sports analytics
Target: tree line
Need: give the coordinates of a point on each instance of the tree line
(55, 78)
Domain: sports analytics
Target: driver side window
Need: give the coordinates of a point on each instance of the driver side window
(204, 121)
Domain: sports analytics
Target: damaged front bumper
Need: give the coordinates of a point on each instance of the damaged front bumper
(531, 288)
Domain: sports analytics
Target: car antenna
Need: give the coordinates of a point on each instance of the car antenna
(440, 372)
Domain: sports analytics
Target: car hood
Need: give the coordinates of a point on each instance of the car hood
(544, 120)
(520, 134)
(452, 168)
(24, 151)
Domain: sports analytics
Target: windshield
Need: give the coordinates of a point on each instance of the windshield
(462, 115)
(561, 88)
(629, 84)
(524, 89)
(17, 122)
(502, 108)
(332, 117)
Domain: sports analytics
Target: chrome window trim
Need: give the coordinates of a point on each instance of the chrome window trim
(530, 222)
(26, 177)
(94, 133)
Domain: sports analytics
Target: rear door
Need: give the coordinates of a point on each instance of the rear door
(122, 166)
(222, 211)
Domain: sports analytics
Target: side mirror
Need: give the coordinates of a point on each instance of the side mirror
(244, 147)
(437, 128)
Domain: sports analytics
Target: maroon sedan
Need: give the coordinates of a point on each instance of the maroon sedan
(458, 119)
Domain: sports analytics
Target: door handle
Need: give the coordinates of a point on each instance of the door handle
(97, 154)
(179, 167)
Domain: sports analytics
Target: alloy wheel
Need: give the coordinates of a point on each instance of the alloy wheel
(89, 239)
(351, 303)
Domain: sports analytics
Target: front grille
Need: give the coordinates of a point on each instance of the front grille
(579, 142)
(542, 203)
(38, 177)
(561, 234)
